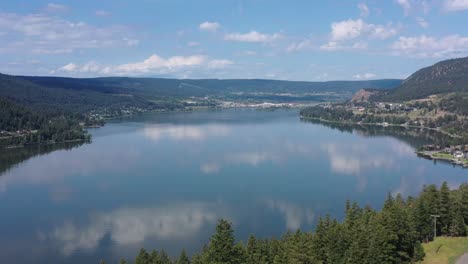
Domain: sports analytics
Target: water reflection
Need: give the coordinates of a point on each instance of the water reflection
(184, 132)
(293, 214)
(355, 158)
(61, 163)
(271, 172)
(130, 226)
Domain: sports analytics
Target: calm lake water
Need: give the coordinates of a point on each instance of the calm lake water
(163, 180)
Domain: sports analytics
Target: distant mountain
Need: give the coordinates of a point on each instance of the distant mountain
(443, 77)
(176, 88)
(117, 94)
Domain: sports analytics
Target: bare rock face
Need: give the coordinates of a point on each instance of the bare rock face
(362, 96)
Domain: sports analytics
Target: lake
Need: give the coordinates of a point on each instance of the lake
(163, 180)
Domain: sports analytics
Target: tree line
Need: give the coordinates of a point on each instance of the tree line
(20, 125)
(392, 235)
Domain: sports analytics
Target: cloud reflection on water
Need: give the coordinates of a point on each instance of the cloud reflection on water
(243, 158)
(293, 214)
(130, 226)
(185, 132)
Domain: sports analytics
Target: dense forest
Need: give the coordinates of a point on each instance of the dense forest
(447, 76)
(20, 125)
(450, 123)
(392, 235)
(241, 89)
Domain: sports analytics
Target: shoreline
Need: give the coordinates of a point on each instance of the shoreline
(382, 125)
(423, 154)
(428, 155)
(44, 144)
(158, 111)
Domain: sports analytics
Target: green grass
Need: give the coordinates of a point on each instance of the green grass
(445, 250)
(443, 155)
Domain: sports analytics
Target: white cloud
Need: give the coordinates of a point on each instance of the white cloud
(431, 47)
(353, 34)
(406, 5)
(455, 5)
(102, 13)
(334, 46)
(53, 7)
(364, 9)
(422, 22)
(253, 36)
(219, 64)
(70, 67)
(364, 76)
(352, 29)
(209, 26)
(43, 34)
(302, 45)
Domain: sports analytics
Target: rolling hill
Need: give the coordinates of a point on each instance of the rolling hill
(449, 76)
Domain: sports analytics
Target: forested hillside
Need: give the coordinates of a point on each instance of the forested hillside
(21, 125)
(443, 77)
(159, 88)
(392, 235)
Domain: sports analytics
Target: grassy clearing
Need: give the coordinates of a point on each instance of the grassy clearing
(443, 155)
(445, 250)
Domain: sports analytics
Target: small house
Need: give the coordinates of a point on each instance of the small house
(458, 154)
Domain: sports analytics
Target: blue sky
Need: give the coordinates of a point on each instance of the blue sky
(293, 40)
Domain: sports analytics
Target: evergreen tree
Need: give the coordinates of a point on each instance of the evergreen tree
(183, 258)
(143, 257)
(221, 246)
(444, 209)
(164, 257)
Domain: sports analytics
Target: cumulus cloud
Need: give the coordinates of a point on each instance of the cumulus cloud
(364, 9)
(406, 5)
(364, 76)
(131, 226)
(253, 36)
(455, 5)
(354, 34)
(430, 47)
(209, 26)
(414, 6)
(44, 34)
(53, 7)
(154, 64)
(352, 29)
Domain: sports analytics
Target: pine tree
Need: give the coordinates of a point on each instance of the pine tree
(464, 201)
(155, 258)
(164, 257)
(221, 246)
(143, 257)
(457, 225)
(444, 209)
(122, 261)
(183, 258)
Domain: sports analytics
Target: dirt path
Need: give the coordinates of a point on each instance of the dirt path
(463, 259)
